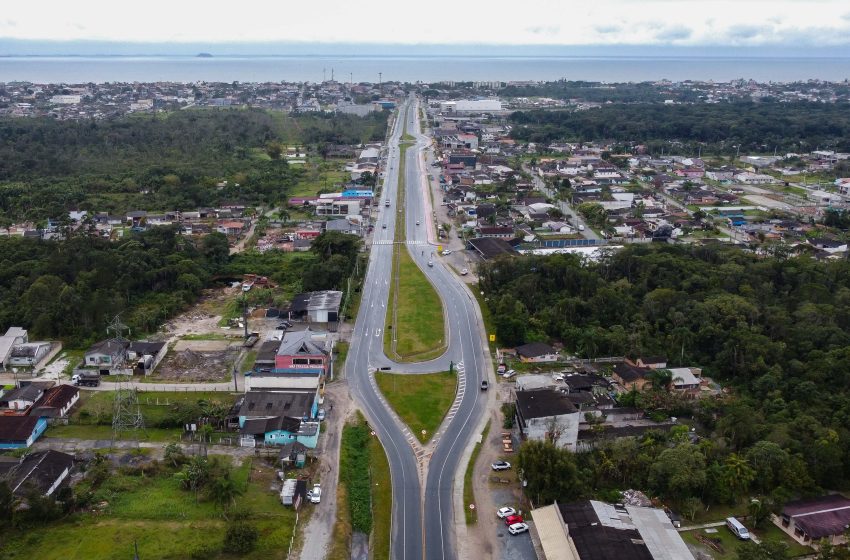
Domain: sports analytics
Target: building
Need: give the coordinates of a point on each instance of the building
(814, 519)
(20, 399)
(279, 417)
(316, 307)
(145, 355)
(630, 377)
(303, 350)
(29, 354)
(593, 530)
(471, 106)
(13, 337)
(537, 352)
(548, 415)
(56, 402)
(20, 431)
(43, 471)
(106, 356)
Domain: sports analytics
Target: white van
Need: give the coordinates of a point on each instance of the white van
(737, 528)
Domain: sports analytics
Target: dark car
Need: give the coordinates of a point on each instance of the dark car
(485, 385)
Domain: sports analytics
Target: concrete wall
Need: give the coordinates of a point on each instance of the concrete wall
(536, 429)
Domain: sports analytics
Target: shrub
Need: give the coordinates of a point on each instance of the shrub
(240, 538)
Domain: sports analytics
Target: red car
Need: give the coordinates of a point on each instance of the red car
(511, 519)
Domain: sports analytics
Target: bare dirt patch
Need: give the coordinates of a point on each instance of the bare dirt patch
(197, 366)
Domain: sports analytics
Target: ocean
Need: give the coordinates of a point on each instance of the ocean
(79, 69)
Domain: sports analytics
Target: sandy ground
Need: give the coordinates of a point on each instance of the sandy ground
(768, 202)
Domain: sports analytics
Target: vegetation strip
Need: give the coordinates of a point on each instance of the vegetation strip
(365, 491)
(468, 491)
(420, 400)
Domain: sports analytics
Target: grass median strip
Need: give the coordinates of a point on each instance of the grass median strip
(364, 493)
(420, 400)
(468, 492)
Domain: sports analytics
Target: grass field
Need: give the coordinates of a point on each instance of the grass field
(728, 541)
(165, 522)
(92, 417)
(421, 401)
(468, 494)
(771, 532)
(319, 176)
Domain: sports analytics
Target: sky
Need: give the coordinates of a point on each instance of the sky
(680, 23)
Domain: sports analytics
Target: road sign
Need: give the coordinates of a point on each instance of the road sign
(492, 338)
(439, 248)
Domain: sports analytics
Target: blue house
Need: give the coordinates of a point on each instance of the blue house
(359, 193)
(279, 417)
(20, 431)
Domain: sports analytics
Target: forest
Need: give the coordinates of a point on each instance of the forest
(721, 128)
(775, 331)
(170, 161)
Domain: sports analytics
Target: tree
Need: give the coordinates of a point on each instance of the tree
(223, 490)
(738, 474)
(550, 472)
(767, 550)
(679, 473)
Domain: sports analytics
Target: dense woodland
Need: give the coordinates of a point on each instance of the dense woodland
(776, 331)
(714, 128)
(160, 162)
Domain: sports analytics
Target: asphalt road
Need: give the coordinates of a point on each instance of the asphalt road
(416, 535)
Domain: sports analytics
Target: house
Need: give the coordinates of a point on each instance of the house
(305, 349)
(145, 355)
(20, 431)
(497, 232)
(231, 228)
(651, 362)
(537, 352)
(686, 380)
(28, 354)
(593, 530)
(20, 399)
(547, 415)
(279, 417)
(106, 355)
(56, 402)
(13, 337)
(43, 471)
(809, 520)
(829, 245)
(630, 377)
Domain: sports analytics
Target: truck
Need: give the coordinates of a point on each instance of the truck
(86, 379)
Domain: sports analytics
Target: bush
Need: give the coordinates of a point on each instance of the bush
(354, 468)
(509, 410)
(240, 538)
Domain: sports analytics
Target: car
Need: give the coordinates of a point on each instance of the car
(517, 528)
(485, 385)
(447, 252)
(283, 326)
(508, 374)
(464, 272)
(315, 495)
(506, 511)
(431, 263)
(384, 226)
(320, 415)
(500, 465)
(417, 222)
(513, 519)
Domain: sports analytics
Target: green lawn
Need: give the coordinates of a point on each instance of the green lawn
(382, 501)
(92, 416)
(319, 176)
(419, 326)
(728, 541)
(163, 520)
(770, 532)
(421, 401)
(468, 494)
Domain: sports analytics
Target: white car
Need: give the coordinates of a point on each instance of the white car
(500, 465)
(464, 272)
(417, 222)
(447, 252)
(506, 511)
(517, 528)
(315, 495)
(508, 374)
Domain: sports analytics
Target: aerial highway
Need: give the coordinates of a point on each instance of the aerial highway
(422, 476)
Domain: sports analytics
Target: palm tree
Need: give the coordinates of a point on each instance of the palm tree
(223, 490)
(661, 379)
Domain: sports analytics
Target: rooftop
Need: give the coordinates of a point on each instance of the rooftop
(820, 517)
(277, 403)
(543, 403)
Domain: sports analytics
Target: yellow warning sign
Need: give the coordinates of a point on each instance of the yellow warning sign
(439, 248)
(492, 338)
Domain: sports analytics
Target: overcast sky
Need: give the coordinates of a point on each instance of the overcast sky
(529, 22)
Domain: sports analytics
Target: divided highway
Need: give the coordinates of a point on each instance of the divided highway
(422, 477)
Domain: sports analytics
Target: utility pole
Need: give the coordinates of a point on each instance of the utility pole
(381, 82)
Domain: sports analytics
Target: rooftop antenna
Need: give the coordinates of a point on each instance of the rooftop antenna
(126, 415)
(332, 73)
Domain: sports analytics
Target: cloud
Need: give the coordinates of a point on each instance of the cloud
(674, 34)
(608, 28)
(747, 32)
(543, 29)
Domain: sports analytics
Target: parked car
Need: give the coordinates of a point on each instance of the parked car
(447, 252)
(315, 495)
(485, 385)
(321, 415)
(517, 528)
(506, 511)
(513, 519)
(508, 374)
(464, 272)
(417, 222)
(500, 465)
